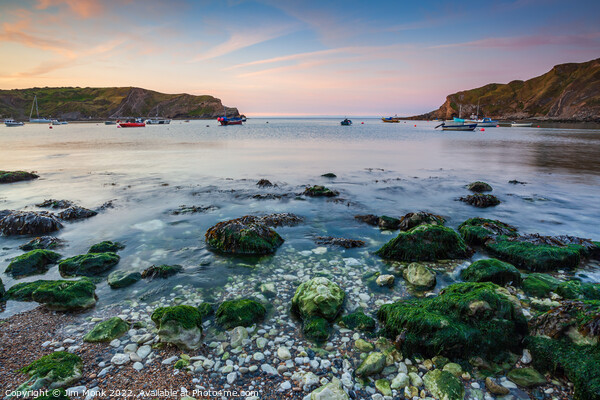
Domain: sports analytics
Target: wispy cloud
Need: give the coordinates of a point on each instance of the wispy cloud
(81, 8)
(523, 42)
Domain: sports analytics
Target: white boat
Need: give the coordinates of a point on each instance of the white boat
(37, 120)
(520, 124)
(456, 124)
(157, 121)
(11, 122)
(57, 122)
(483, 122)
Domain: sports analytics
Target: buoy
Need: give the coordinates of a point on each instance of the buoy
(50, 127)
(362, 123)
(482, 129)
(538, 126)
(415, 125)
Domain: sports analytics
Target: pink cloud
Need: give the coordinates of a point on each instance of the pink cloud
(82, 8)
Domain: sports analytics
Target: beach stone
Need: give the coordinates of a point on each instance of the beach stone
(261, 342)
(138, 366)
(283, 353)
(309, 380)
(495, 388)
(318, 297)
(383, 385)
(415, 379)
(331, 391)
(266, 368)
(107, 331)
(120, 359)
(179, 325)
(76, 391)
(28, 223)
(443, 385)
(163, 271)
(258, 356)
(419, 275)
(364, 346)
(90, 264)
(237, 336)
(245, 235)
(231, 377)
(526, 377)
(76, 212)
(121, 279)
(385, 280)
(401, 381)
(373, 364)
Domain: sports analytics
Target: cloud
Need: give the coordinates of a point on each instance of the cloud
(81, 8)
(524, 42)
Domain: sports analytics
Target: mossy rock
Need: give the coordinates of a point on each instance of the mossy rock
(358, 321)
(23, 291)
(372, 365)
(477, 231)
(179, 325)
(240, 312)
(316, 329)
(206, 310)
(56, 394)
(90, 264)
(32, 263)
(383, 386)
(389, 223)
(56, 370)
(539, 284)
(480, 200)
(319, 191)
(479, 187)
(243, 237)
(42, 242)
(466, 319)
(16, 176)
(121, 279)
(578, 320)
(106, 247)
(414, 219)
(57, 295)
(29, 223)
(443, 385)
(578, 363)
(106, 331)
(575, 289)
(492, 270)
(161, 271)
(425, 243)
(526, 377)
(318, 297)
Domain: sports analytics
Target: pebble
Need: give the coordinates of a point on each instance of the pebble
(169, 360)
(283, 353)
(138, 366)
(115, 343)
(120, 359)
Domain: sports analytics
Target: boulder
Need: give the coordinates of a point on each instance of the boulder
(477, 231)
(28, 223)
(121, 279)
(42, 242)
(32, 263)
(65, 295)
(318, 297)
(240, 312)
(319, 191)
(90, 264)
(264, 183)
(480, 200)
(492, 270)
(412, 219)
(425, 243)
(16, 176)
(479, 187)
(358, 321)
(363, 346)
(106, 247)
(107, 331)
(454, 369)
(389, 223)
(75, 212)
(419, 276)
(575, 289)
(56, 370)
(243, 236)
(179, 325)
(443, 385)
(56, 204)
(372, 365)
(539, 284)
(331, 391)
(526, 377)
(161, 271)
(316, 329)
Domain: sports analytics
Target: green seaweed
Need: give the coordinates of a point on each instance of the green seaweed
(316, 329)
(539, 284)
(206, 310)
(106, 331)
(106, 247)
(358, 321)
(66, 295)
(479, 187)
(319, 191)
(89, 264)
(56, 366)
(31, 263)
(240, 312)
(476, 231)
(161, 271)
(575, 289)
(187, 317)
(492, 270)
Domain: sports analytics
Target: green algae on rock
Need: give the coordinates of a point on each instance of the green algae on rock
(465, 319)
(479, 187)
(316, 329)
(372, 365)
(331, 391)
(526, 377)
(318, 297)
(389, 223)
(477, 231)
(161, 271)
(535, 257)
(419, 276)
(358, 321)
(16, 176)
(425, 243)
(206, 310)
(240, 312)
(243, 236)
(575, 289)
(179, 325)
(319, 191)
(57, 295)
(32, 263)
(539, 284)
(106, 247)
(480, 200)
(90, 264)
(121, 279)
(443, 385)
(412, 219)
(56, 370)
(492, 270)
(106, 331)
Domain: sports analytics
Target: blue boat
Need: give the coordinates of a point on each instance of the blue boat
(346, 122)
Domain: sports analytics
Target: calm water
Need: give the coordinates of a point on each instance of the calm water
(382, 168)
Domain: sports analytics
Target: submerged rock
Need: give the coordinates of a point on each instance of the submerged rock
(193, 209)
(121, 279)
(341, 242)
(57, 295)
(28, 223)
(16, 176)
(90, 264)
(479, 187)
(264, 183)
(492, 270)
(425, 243)
(106, 331)
(318, 297)
(443, 385)
(56, 370)
(480, 200)
(42, 242)
(372, 365)
(161, 271)
(539, 285)
(478, 231)
(319, 191)
(388, 223)
(368, 219)
(358, 321)
(331, 391)
(240, 312)
(419, 276)
(32, 263)
(53, 203)
(75, 212)
(179, 325)
(106, 247)
(243, 236)
(413, 219)
(526, 377)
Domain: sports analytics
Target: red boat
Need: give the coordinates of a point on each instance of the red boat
(131, 124)
(230, 121)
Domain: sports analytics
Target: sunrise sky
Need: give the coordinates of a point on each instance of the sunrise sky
(294, 57)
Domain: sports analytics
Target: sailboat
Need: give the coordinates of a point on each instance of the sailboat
(224, 120)
(37, 120)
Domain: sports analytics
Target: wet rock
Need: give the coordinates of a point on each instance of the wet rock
(179, 325)
(243, 236)
(479, 187)
(341, 242)
(331, 391)
(574, 290)
(414, 219)
(237, 336)
(55, 370)
(492, 270)
(443, 385)
(264, 183)
(425, 243)
(90, 264)
(75, 212)
(240, 312)
(577, 320)
(318, 297)
(368, 219)
(121, 279)
(389, 223)
(358, 321)
(57, 295)
(539, 284)
(277, 219)
(42, 242)
(478, 231)
(2, 291)
(364, 346)
(419, 276)
(385, 280)
(161, 271)
(193, 209)
(454, 369)
(400, 381)
(32, 263)
(106, 247)
(28, 223)
(495, 388)
(526, 377)
(16, 176)
(329, 175)
(319, 191)
(372, 365)
(480, 200)
(383, 385)
(107, 331)
(56, 204)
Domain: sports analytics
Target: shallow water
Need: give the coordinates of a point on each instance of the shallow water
(382, 168)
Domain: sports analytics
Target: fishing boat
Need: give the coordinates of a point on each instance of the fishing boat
(391, 119)
(11, 122)
(137, 123)
(457, 124)
(520, 124)
(110, 122)
(57, 122)
(224, 121)
(37, 120)
(157, 121)
(346, 122)
(483, 122)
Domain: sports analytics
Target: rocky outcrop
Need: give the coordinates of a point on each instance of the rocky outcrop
(27, 222)
(243, 236)
(16, 176)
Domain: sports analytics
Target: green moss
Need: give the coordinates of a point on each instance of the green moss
(56, 394)
(358, 321)
(318, 297)
(390, 223)
(121, 279)
(240, 312)
(578, 363)
(187, 317)
(536, 257)
(425, 243)
(413, 219)
(577, 290)
(90, 264)
(57, 366)
(465, 319)
(32, 262)
(23, 291)
(443, 385)
(57, 295)
(492, 270)
(106, 247)
(539, 284)
(316, 329)
(319, 191)
(206, 310)
(181, 364)
(161, 271)
(479, 187)
(106, 331)
(243, 237)
(476, 231)
(16, 176)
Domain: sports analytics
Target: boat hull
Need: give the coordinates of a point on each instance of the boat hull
(465, 127)
(158, 121)
(12, 124)
(39, 121)
(521, 124)
(132, 124)
(391, 119)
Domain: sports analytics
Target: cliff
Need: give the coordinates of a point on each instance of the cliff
(568, 92)
(75, 103)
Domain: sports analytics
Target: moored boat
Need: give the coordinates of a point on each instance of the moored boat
(391, 119)
(157, 121)
(57, 122)
(346, 122)
(37, 120)
(483, 122)
(456, 124)
(520, 124)
(137, 123)
(11, 122)
(224, 121)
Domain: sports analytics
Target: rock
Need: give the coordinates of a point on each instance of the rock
(144, 351)
(385, 280)
(264, 183)
(383, 385)
(56, 295)
(231, 377)
(106, 247)
(526, 357)
(55, 370)
(261, 342)
(389, 223)
(179, 325)
(443, 385)
(477, 231)
(28, 223)
(492, 270)
(121, 279)
(495, 388)
(425, 243)
(32, 263)
(368, 219)
(90, 264)
(309, 380)
(106, 331)
(329, 175)
(268, 290)
(480, 200)
(318, 297)
(42, 242)
(193, 209)
(331, 391)
(206, 310)
(161, 271)
(2, 291)
(76, 212)
(372, 365)
(415, 379)
(120, 359)
(138, 366)
(419, 276)
(319, 191)
(454, 369)
(358, 321)
(237, 336)
(240, 312)
(341, 242)
(16, 176)
(243, 236)
(577, 320)
(400, 381)
(316, 329)
(479, 187)
(539, 284)
(364, 346)
(283, 353)
(413, 219)
(56, 204)
(526, 377)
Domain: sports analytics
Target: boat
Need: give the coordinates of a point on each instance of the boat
(57, 122)
(11, 122)
(395, 119)
(137, 123)
(457, 124)
(224, 121)
(346, 122)
(483, 122)
(37, 120)
(520, 124)
(157, 121)
(110, 122)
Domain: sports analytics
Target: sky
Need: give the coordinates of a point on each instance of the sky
(294, 58)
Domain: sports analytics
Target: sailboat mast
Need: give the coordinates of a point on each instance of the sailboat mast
(33, 104)
(477, 110)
